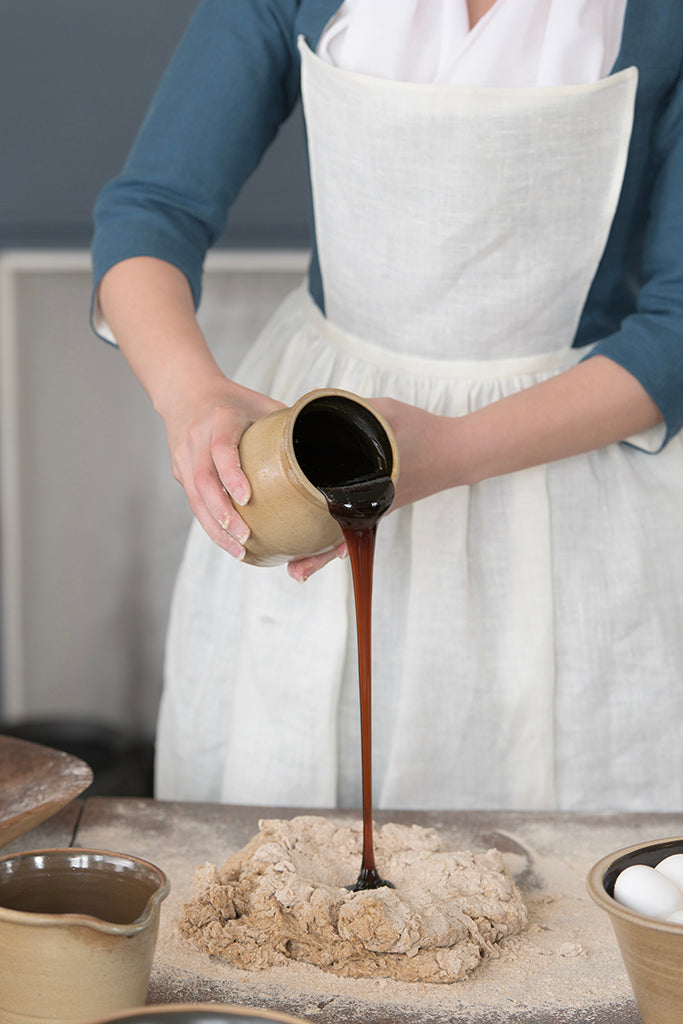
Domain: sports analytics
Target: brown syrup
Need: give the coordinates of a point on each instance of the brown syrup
(345, 453)
(357, 508)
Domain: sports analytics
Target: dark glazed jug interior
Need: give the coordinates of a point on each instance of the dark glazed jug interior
(338, 441)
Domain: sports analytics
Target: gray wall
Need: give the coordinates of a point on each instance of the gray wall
(75, 80)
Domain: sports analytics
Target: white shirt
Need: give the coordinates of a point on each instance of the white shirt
(516, 43)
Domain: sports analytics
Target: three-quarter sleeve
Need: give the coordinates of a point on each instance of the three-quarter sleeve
(231, 83)
(649, 342)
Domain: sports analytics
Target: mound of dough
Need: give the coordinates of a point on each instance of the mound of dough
(284, 897)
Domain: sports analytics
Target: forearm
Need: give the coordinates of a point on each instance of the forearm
(149, 308)
(589, 406)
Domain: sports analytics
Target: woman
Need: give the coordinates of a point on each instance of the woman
(498, 264)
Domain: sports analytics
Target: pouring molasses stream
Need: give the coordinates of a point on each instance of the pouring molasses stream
(346, 454)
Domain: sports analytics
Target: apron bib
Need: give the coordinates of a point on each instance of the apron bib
(462, 223)
(458, 232)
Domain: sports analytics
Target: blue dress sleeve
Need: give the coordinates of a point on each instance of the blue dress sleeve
(649, 342)
(231, 83)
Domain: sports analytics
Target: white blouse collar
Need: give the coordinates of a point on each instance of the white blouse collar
(517, 43)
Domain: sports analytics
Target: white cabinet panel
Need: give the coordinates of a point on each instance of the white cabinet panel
(93, 523)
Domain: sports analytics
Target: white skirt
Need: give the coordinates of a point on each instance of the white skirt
(527, 630)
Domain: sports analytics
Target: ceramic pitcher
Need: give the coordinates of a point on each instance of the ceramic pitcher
(78, 930)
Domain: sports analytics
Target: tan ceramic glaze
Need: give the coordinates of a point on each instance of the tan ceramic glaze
(78, 930)
(197, 1013)
(287, 515)
(652, 950)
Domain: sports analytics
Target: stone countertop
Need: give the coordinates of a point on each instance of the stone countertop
(566, 968)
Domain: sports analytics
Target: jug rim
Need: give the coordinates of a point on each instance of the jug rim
(69, 920)
(287, 440)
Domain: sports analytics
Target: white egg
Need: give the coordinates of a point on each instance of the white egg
(672, 867)
(676, 917)
(647, 891)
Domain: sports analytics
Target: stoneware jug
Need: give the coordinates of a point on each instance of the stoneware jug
(78, 930)
(329, 432)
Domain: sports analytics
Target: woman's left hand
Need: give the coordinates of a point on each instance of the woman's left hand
(423, 470)
(425, 446)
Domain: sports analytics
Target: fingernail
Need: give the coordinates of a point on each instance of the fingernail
(240, 495)
(237, 551)
(298, 577)
(241, 534)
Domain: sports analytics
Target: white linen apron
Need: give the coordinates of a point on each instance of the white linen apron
(517, 623)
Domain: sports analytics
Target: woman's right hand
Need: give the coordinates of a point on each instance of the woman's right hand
(204, 426)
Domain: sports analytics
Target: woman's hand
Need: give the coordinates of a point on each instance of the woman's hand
(426, 448)
(420, 440)
(203, 429)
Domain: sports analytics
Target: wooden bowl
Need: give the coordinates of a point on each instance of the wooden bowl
(36, 783)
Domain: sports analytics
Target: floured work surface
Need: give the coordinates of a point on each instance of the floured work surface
(565, 967)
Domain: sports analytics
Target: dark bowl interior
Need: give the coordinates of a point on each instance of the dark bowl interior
(651, 855)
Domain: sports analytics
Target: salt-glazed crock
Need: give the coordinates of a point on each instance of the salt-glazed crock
(325, 430)
(78, 930)
(652, 950)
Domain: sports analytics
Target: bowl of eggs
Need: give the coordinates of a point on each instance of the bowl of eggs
(641, 888)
